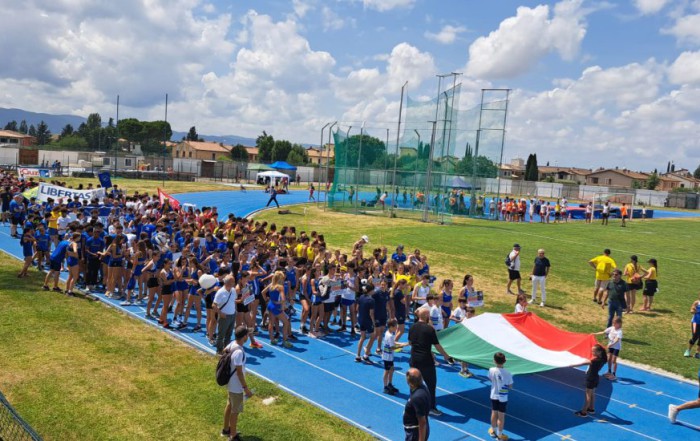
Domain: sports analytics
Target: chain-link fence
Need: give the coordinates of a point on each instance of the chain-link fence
(439, 165)
(12, 426)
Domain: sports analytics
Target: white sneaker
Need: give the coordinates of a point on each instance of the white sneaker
(542, 304)
(531, 301)
(672, 413)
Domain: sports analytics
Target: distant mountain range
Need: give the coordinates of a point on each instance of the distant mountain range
(57, 122)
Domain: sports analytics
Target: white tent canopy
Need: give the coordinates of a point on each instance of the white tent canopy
(270, 176)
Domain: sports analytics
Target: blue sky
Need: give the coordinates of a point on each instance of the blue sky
(594, 83)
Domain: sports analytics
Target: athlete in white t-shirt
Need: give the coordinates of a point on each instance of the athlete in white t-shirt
(501, 383)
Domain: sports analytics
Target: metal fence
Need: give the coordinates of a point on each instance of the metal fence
(12, 426)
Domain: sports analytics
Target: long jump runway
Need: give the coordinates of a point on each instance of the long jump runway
(324, 373)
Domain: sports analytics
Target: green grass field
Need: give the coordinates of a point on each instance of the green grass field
(142, 185)
(477, 247)
(77, 370)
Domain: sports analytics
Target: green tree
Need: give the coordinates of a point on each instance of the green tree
(12, 125)
(531, 169)
(31, 131)
(43, 134)
(372, 151)
(66, 131)
(239, 153)
(73, 142)
(653, 181)
(131, 129)
(697, 173)
(23, 127)
(265, 143)
(298, 155)
(281, 150)
(192, 135)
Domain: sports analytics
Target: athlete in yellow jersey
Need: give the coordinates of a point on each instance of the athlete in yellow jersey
(603, 265)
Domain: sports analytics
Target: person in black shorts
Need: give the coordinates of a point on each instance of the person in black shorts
(592, 379)
(365, 320)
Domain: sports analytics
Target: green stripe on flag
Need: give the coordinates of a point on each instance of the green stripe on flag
(464, 345)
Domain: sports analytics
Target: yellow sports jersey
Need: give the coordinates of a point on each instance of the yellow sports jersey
(631, 274)
(53, 220)
(603, 267)
(652, 273)
(299, 251)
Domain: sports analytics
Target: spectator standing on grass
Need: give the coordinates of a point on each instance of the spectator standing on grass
(422, 337)
(606, 213)
(634, 282)
(514, 270)
(673, 409)
(539, 274)
(225, 307)
(651, 284)
(417, 410)
(237, 386)
(615, 296)
(603, 266)
(501, 383)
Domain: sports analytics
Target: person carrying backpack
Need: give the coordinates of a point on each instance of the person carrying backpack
(512, 262)
(232, 365)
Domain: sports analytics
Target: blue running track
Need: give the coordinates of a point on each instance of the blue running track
(324, 373)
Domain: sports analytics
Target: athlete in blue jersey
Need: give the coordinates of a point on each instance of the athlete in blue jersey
(55, 262)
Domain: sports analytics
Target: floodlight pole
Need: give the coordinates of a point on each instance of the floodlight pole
(320, 155)
(503, 136)
(357, 176)
(428, 176)
(345, 162)
(396, 153)
(328, 159)
(165, 138)
(452, 108)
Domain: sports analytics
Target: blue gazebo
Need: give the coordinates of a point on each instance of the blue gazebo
(281, 165)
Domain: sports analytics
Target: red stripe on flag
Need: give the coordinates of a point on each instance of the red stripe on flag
(548, 336)
(174, 203)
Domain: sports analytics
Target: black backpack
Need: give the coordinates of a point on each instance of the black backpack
(223, 368)
(508, 262)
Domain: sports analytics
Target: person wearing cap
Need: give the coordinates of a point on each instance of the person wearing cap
(514, 270)
(237, 385)
(359, 244)
(615, 296)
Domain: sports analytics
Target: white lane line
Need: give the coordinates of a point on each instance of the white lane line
(452, 393)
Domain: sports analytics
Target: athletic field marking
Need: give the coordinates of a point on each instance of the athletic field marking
(613, 249)
(451, 392)
(620, 401)
(362, 387)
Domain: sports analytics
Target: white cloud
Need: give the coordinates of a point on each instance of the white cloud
(331, 20)
(686, 29)
(301, 7)
(447, 35)
(388, 5)
(649, 7)
(686, 69)
(521, 41)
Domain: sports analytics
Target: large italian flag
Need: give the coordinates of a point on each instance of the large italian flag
(529, 343)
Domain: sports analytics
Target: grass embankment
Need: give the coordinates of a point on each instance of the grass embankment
(657, 338)
(77, 370)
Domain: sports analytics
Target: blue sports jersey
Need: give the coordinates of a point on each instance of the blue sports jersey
(60, 252)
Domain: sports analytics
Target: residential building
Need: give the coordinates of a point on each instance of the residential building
(253, 154)
(678, 179)
(320, 156)
(616, 177)
(573, 174)
(206, 151)
(515, 170)
(9, 138)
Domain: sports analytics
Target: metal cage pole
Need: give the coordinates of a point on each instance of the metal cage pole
(328, 160)
(503, 137)
(396, 153)
(357, 175)
(428, 176)
(320, 155)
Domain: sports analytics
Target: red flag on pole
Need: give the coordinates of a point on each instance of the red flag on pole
(172, 202)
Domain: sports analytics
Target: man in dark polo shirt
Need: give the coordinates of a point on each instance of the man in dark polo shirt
(415, 413)
(615, 296)
(422, 338)
(539, 274)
